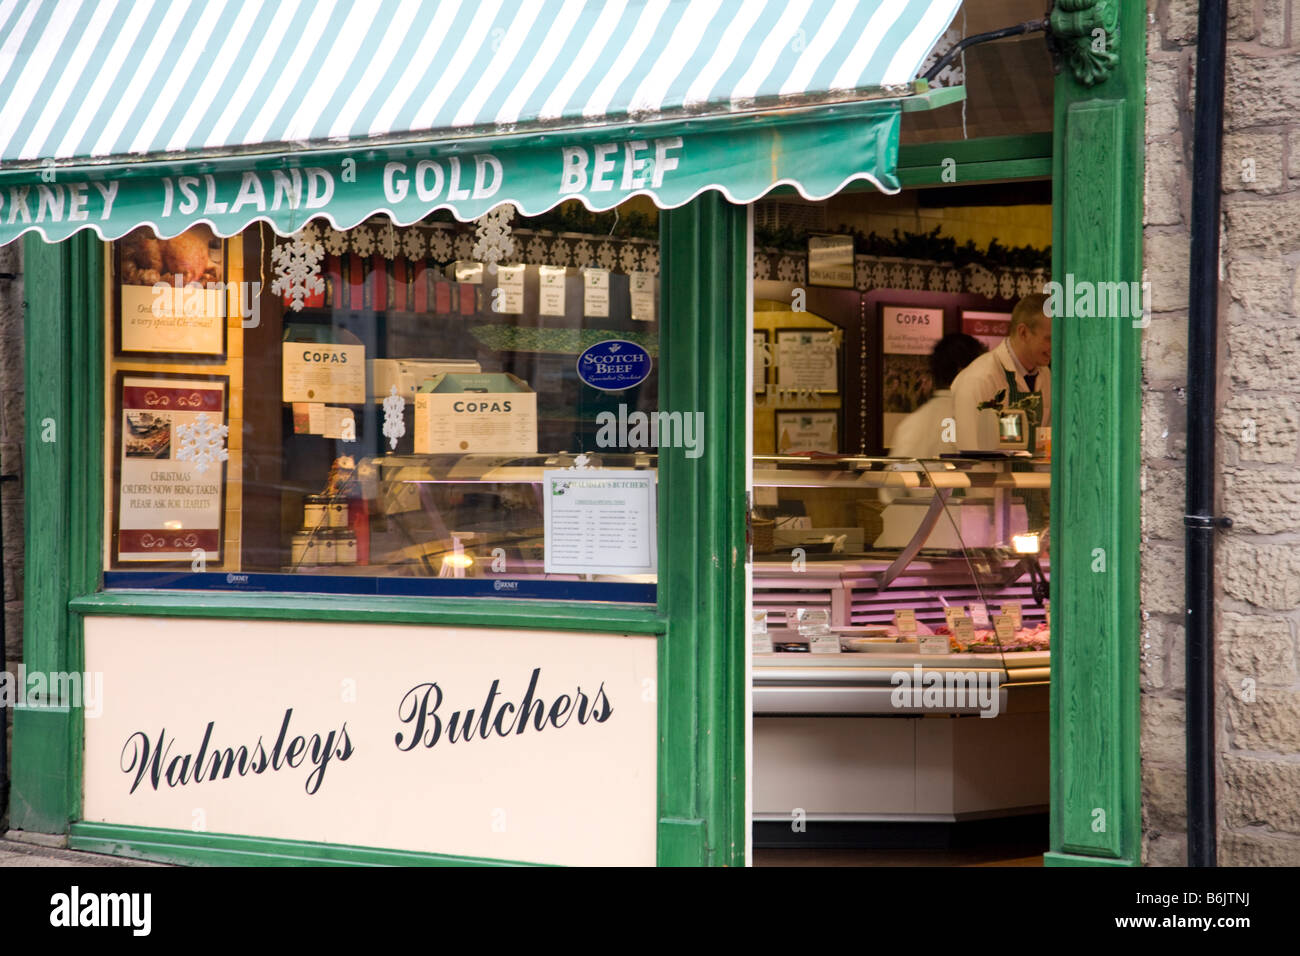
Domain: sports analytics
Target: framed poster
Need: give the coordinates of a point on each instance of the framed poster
(907, 330)
(808, 358)
(171, 294)
(762, 358)
(804, 431)
(169, 477)
(989, 327)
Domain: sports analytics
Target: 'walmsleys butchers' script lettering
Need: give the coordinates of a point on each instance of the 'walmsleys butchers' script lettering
(513, 744)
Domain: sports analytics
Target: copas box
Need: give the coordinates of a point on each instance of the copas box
(488, 413)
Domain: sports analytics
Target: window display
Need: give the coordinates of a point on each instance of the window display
(382, 409)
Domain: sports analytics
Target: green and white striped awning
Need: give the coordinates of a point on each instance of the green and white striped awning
(115, 113)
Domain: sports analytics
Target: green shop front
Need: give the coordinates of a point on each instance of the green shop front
(416, 435)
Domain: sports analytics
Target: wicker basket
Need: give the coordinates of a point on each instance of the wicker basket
(764, 535)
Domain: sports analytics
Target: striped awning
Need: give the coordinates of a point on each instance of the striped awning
(113, 105)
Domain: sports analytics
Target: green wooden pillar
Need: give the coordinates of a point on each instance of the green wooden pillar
(1097, 237)
(63, 297)
(704, 276)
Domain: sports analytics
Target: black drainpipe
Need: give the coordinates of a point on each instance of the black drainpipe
(1202, 360)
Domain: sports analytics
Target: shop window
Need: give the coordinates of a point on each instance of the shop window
(443, 408)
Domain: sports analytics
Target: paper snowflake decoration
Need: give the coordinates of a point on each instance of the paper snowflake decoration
(607, 256)
(335, 241)
(464, 245)
(440, 247)
(650, 259)
(394, 426)
(492, 240)
(582, 253)
(202, 442)
(628, 258)
(413, 244)
(297, 267)
(538, 250)
(580, 463)
(362, 241)
(387, 244)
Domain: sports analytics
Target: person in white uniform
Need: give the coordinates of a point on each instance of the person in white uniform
(1015, 374)
(930, 431)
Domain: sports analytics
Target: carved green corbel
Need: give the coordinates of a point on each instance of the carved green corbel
(1084, 35)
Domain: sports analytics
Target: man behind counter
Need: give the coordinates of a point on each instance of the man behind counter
(1016, 370)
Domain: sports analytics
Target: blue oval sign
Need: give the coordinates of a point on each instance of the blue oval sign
(614, 365)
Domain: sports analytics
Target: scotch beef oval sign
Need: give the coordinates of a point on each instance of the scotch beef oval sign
(614, 365)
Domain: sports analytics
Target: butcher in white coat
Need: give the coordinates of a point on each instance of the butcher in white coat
(1015, 374)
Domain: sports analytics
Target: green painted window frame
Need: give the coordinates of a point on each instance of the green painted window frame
(701, 778)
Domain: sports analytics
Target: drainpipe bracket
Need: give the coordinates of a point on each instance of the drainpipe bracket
(1207, 521)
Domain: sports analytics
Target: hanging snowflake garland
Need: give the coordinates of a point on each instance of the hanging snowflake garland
(387, 244)
(297, 267)
(202, 442)
(413, 244)
(493, 242)
(335, 242)
(394, 427)
(363, 241)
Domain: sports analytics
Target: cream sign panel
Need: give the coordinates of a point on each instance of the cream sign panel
(515, 745)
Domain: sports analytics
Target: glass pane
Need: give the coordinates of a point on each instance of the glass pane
(384, 410)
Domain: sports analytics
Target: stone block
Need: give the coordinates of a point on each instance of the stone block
(1270, 722)
(1162, 653)
(1164, 348)
(1257, 848)
(1164, 849)
(1253, 162)
(1164, 184)
(1166, 83)
(1258, 647)
(1162, 578)
(1262, 354)
(1262, 501)
(1162, 504)
(1164, 801)
(1181, 21)
(1259, 792)
(1272, 25)
(1163, 735)
(1260, 90)
(1263, 286)
(1265, 575)
(1165, 260)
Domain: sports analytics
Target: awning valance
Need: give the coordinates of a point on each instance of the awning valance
(114, 115)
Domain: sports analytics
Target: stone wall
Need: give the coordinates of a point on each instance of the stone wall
(1258, 561)
(11, 458)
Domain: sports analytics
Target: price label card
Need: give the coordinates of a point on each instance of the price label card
(758, 621)
(905, 621)
(932, 644)
(509, 295)
(824, 644)
(953, 614)
(643, 296)
(760, 643)
(595, 293)
(1011, 609)
(551, 284)
(965, 630)
(979, 614)
(1005, 630)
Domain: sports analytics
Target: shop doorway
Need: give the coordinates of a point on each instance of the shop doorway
(899, 599)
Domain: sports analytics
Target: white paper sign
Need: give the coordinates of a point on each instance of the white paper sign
(830, 261)
(599, 521)
(807, 360)
(642, 285)
(909, 331)
(551, 285)
(595, 293)
(508, 296)
(323, 372)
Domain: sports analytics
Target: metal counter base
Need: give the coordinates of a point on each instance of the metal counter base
(831, 746)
